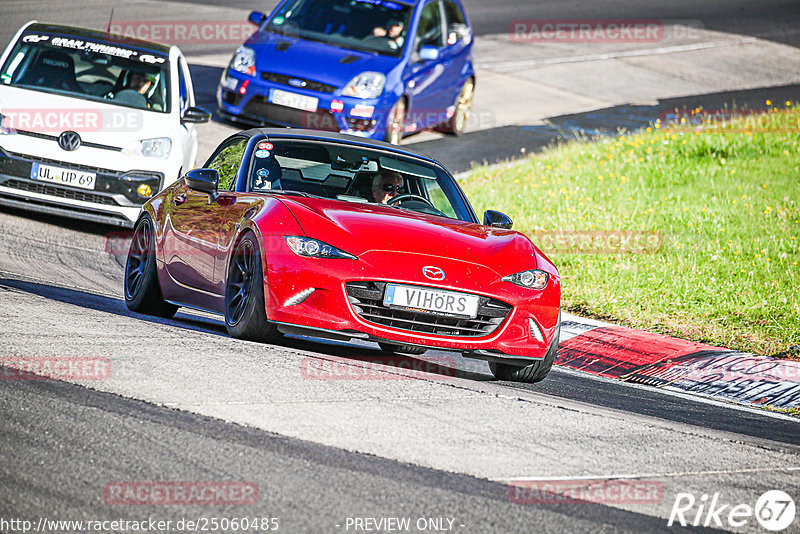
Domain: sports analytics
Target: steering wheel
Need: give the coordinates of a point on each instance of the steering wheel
(409, 196)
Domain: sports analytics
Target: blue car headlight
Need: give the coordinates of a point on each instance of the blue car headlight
(244, 61)
(533, 279)
(365, 85)
(312, 248)
(5, 126)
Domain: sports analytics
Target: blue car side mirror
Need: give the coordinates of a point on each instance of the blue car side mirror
(428, 53)
(256, 17)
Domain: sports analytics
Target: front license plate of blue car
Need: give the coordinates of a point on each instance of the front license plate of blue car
(431, 300)
(293, 100)
(57, 175)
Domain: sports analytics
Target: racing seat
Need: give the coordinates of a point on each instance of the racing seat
(53, 69)
(361, 186)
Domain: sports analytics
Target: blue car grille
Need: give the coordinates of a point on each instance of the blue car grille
(306, 84)
(366, 298)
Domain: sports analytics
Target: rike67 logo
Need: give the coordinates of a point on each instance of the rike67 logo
(774, 511)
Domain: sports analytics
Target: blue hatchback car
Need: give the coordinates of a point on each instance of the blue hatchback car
(374, 68)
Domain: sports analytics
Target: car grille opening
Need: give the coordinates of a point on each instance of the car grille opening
(306, 84)
(83, 141)
(55, 191)
(366, 298)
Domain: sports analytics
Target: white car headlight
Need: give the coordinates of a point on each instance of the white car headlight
(365, 85)
(244, 61)
(534, 279)
(156, 148)
(311, 248)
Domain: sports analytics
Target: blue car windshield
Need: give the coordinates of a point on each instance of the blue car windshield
(376, 26)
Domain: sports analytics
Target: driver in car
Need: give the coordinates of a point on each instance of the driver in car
(392, 32)
(386, 185)
(139, 82)
(135, 92)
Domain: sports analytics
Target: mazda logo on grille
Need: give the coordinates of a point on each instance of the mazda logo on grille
(69, 141)
(294, 82)
(434, 273)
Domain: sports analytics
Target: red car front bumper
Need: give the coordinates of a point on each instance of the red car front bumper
(329, 308)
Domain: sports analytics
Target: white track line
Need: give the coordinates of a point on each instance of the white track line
(651, 475)
(616, 55)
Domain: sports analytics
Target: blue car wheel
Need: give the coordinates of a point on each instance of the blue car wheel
(396, 122)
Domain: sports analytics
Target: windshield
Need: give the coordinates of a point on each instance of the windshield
(358, 175)
(106, 72)
(370, 25)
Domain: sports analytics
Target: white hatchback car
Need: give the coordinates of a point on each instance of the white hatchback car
(92, 124)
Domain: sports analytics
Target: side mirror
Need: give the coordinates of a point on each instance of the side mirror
(195, 115)
(204, 180)
(428, 53)
(497, 219)
(256, 17)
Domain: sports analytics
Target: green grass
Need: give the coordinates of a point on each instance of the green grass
(715, 210)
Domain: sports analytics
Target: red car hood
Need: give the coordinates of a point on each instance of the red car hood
(362, 228)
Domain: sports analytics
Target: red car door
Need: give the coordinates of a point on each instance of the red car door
(192, 242)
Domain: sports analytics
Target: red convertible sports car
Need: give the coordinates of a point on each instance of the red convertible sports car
(327, 235)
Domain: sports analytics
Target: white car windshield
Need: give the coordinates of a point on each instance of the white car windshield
(110, 72)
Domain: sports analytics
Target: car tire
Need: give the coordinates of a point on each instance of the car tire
(404, 349)
(396, 123)
(245, 312)
(142, 292)
(458, 122)
(536, 372)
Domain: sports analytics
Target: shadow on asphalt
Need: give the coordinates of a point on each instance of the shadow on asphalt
(205, 80)
(67, 223)
(365, 358)
(514, 142)
(646, 401)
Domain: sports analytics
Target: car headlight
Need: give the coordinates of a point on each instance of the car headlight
(365, 85)
(311, 248)
(244, 61)
(534, 279)
(5, 126)
(157, 148)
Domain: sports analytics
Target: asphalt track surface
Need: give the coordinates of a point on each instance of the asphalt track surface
(61, 442)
